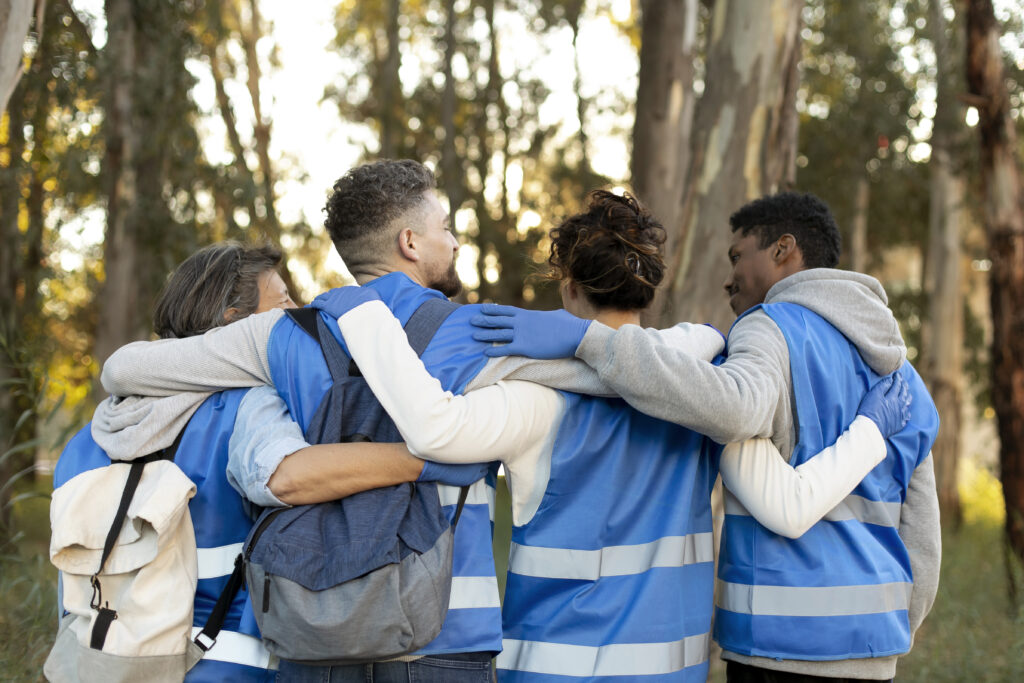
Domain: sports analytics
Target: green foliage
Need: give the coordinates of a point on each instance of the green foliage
(497, 122)
(858, 107)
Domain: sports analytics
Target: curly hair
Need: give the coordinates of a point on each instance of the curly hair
(208, 283)
(365, 203)
(612, 251)
(804, 216)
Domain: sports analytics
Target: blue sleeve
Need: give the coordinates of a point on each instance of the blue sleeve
(264, 435)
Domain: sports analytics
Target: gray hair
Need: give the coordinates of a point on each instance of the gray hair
(207, 284)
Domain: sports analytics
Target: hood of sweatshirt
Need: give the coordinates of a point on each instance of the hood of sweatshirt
(134, 426)
(853, 303)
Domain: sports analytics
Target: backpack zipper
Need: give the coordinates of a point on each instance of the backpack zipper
(259, 531)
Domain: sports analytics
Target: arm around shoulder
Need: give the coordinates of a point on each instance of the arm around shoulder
(226, 357)
(730, 402)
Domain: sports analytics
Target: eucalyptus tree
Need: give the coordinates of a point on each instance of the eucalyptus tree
(734, 142)
(1004, 222)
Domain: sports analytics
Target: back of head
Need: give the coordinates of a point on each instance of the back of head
(804, 216)
(365, 205)
(207, 284)
(612, 251)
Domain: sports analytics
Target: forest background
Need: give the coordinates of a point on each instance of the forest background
(135, 131)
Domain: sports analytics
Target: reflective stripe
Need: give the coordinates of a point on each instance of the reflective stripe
(238, 648)
(867, 511)
(636, 659)
(480, 493)
(469, 592)
(854, 507)
(216, 562)
(827, 601)
(621, 560)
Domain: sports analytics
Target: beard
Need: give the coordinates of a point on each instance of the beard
(448, 283)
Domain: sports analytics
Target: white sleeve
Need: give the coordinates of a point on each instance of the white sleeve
(703, 342)
(789, 500)
(506, 421)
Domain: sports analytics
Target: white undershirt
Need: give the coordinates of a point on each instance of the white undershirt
(515, 422)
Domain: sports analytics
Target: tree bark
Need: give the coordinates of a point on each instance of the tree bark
(744, 145)
(1004, 222)
(120, 318)
(665, 104)
(15, 17)
(451, 166)
(859, 226)
(943, 332)
(391, 87)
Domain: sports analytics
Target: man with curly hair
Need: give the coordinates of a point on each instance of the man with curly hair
(844, 600)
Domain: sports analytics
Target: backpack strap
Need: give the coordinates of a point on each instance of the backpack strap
(425, 321)
(420, 329)
(106, 615)
(463, 494)
(206, 638)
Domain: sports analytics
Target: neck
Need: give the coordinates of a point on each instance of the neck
(616, 319)
(372, 272)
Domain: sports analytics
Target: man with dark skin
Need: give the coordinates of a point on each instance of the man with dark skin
(844, 600)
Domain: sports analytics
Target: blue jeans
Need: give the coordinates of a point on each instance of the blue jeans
(471, 667)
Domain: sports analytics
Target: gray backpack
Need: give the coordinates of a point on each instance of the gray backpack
(366, 577)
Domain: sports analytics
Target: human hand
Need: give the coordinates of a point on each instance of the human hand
(453, 475)
(887, 404)
(536, 334)
(339, 301)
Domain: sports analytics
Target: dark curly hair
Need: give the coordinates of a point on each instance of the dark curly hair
(364, 204)
(803, 216)
(612, 251)
(209, 282)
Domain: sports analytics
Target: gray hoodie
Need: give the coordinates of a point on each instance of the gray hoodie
(750, 395)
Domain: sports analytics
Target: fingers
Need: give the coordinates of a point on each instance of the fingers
(499, 351)
(501, 336)
(495, 321)
(497, 309)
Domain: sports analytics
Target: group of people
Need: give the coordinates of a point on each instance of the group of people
(611, 437)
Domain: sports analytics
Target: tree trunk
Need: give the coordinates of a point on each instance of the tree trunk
(451, 166)
(859, 226)
(744, 145)
(665, 103)
(1004, 219)
(15, 17)
(391, 86)
(120, 318)
(943, 332)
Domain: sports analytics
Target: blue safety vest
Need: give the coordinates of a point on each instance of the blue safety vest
(613, 575)
(300, 374)
(221, 525)
(842, 590)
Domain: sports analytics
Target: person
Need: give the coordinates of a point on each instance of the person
(518, 438)
(611, 566)
(844, 600)
(213, 287)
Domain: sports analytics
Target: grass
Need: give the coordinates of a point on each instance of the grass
(972, 634)
(28, 594)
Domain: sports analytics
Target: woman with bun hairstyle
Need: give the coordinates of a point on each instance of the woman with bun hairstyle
(611, 565)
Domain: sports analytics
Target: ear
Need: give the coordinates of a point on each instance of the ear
(230, 314)
(407, 244)
(572, 290)
(785, 250)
